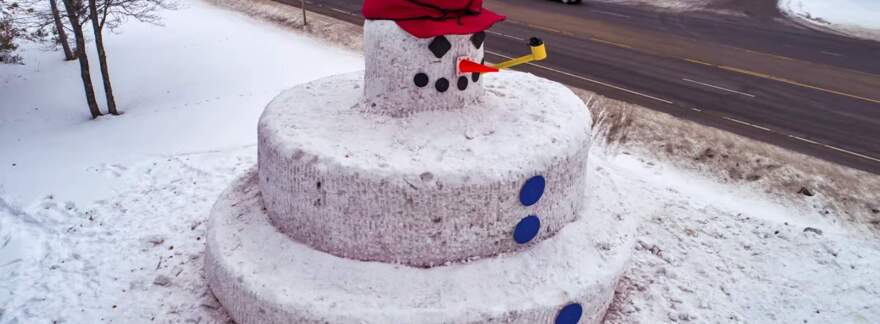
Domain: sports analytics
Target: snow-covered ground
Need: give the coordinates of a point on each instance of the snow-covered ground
(70, 248)
(197, 84)
(104, 221)
(859, 18)
(712, 253)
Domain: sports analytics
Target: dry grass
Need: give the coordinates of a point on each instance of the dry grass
(335, 31)
(848, 195)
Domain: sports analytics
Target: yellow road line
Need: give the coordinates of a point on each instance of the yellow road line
(783, 80)
(698, 61)
(610, 42)
(548, 29)
(762, 53)
(863, 156)
(505, 35)
(777, 56)
(587, 79)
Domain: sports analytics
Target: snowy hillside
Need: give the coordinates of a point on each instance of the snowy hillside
(103, 221)
(855, 17)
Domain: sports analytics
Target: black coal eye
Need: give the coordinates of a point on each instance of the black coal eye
(421, 80)
(478, 39)
(440, 46)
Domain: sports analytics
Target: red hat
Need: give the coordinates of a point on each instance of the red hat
(431, 18)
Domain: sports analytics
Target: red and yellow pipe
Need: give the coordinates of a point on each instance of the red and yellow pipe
(539, 53)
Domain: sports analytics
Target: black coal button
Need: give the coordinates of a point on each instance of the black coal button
(442, 85)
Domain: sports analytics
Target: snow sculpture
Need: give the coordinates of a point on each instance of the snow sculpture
(419, 191)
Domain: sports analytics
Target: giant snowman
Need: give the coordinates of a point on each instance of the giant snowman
(418, 191)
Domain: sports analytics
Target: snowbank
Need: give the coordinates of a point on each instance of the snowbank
(113, 224)
(854, 17)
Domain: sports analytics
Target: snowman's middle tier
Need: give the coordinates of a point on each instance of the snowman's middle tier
(430, 188)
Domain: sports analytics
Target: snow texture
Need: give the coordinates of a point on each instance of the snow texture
(93, 212)
(858, 18)
(396, 57)
(427, 189)
(710, 253)
(262, 276)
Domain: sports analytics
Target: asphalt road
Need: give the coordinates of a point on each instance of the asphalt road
(757, 74)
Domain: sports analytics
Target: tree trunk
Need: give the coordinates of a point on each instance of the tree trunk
(303, 5)
(72, 14)
(59, 28)
(102, 57)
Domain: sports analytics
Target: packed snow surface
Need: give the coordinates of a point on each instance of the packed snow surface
(441, 185)
(104, 221)
(857, 17)
(265, 277)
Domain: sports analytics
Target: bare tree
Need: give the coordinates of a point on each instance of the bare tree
(74, 13)
(40, 18)
(59, 30)
(99, 14)
(111, 14)
(97, 28)
(9, 31)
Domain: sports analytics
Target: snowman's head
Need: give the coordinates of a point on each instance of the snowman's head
(414, 50)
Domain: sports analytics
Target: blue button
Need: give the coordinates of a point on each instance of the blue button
(570, 314)
(527, 229)
(532, 191)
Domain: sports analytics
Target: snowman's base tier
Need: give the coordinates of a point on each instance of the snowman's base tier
(427, 189)
(262, 276)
